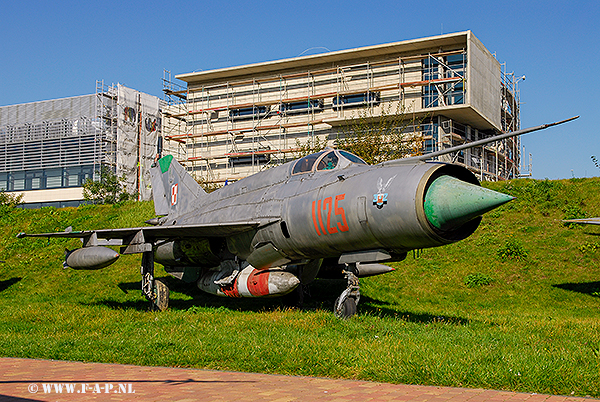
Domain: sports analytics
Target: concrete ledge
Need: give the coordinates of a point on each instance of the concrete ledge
(51, 195)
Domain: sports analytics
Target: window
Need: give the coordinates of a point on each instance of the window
(55, 204)
(53, 178)
(249, 112)
(33, 180)
(430, 136)
(328, 162)
(306, 164)
(357, 100)
(446, 93)
(72, 176)
(18, 181)
(352, 158)
(456, 62)
(45, 178)
(249, 160)
(36, 183)
(3, 181)
(454, 91)
(309, 105)
(87, 172)
(431, 67)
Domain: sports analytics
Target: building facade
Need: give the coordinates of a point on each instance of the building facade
(228, 123)
(48, 149)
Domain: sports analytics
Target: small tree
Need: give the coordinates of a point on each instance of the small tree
(380, 138)
(10, 200)
(374, 138)
(108, 190)
(207, 185)
(311, 146)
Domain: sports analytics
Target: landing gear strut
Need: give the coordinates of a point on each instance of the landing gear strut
(156, 291)
(345, 304)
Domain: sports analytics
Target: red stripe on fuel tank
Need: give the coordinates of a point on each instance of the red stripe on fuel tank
(231, 290)
(258, 282)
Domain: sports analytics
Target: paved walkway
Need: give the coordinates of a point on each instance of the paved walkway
(49, 380)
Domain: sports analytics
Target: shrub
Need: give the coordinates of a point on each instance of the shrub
(573, 212)
(512, 249)
(478, 279)
(589, 247)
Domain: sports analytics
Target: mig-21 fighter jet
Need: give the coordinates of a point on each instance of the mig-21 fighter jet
(325, 214)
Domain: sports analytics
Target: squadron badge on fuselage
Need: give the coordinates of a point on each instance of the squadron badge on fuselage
(380, 198)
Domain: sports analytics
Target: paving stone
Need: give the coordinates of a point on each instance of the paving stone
(50, 380)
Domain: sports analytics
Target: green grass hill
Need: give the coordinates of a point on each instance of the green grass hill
(516, 306)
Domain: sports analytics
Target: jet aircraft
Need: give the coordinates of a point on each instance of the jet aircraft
(322, 215)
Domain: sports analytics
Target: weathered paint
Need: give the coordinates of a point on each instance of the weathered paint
(91, 258)
(165, 163)
(344, 212)
(324, 215)
(450, 202)
(250, 282)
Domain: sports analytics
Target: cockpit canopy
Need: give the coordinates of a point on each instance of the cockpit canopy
(327, 159)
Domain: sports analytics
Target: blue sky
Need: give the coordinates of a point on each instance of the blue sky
(59, 49)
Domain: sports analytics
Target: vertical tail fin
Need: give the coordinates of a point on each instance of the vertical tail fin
(175, 192)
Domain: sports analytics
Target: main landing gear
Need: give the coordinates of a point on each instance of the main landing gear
(345, 304)
(155, 290)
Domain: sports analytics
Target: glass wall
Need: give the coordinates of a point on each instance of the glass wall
(430, 136)
(446, 76)
(41, 179)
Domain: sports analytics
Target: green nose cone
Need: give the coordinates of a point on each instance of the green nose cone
(450, 202)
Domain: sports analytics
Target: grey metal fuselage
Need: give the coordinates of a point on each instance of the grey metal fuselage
(327, 213)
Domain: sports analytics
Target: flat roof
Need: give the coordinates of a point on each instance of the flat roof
(408, 46)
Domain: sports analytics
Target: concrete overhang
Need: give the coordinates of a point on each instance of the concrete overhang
(404, 48)
(464, 114)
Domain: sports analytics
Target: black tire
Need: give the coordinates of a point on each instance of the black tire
(162, 296)
(347, 309)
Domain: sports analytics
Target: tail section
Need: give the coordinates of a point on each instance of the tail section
(175, 192)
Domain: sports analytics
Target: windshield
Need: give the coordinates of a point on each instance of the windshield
(305, 164)
(352, 158)
(328, 162)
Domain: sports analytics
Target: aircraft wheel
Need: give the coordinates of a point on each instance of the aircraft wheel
(346, 309)
(162, 296)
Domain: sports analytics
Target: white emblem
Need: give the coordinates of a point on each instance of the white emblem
(380, 198)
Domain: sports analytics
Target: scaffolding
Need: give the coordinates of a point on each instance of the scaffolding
(106, 125)
(511, 121)
(228, 130)
(49, 144)
(61, 143)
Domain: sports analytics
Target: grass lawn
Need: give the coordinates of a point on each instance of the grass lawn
(516, 306)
